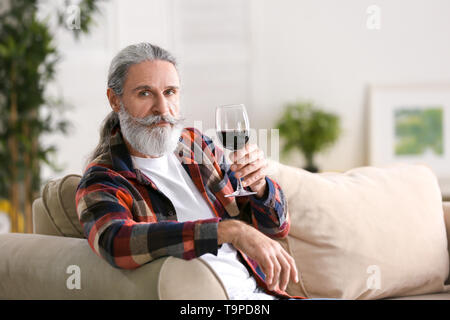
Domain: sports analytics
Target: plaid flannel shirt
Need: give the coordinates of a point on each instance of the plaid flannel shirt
(129, 222)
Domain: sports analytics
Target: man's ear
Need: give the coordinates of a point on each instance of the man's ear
(114, 100)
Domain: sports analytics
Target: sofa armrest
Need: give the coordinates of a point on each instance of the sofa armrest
(42, 223)
(34, 266)
(446, 205)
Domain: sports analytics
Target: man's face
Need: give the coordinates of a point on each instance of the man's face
(152, 88)
(149, 108)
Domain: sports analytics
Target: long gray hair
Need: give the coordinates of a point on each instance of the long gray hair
(117, 74)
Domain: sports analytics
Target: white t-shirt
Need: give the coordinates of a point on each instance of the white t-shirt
(171, 178)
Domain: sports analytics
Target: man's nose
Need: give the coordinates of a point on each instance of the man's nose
(161, 106)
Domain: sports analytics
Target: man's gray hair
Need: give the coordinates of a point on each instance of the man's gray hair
(118, 69)
(130, 55)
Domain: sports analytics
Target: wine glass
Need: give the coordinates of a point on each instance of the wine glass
(233, 129)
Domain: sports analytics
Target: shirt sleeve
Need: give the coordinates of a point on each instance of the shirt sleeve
(104, 203)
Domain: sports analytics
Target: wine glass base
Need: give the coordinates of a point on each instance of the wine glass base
(241, 193)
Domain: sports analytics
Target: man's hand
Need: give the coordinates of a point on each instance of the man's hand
(249, 163)
(275, 262)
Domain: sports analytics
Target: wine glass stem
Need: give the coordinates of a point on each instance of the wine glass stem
(240, 187)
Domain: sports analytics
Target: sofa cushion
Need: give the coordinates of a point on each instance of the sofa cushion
(367, 233)
(59, 201)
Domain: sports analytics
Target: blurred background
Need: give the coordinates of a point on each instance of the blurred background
(305, 67)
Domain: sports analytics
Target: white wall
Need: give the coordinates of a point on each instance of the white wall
(264, 54)
(322, 50)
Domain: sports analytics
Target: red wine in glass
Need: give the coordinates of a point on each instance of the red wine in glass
(233, 139)
(233, 129)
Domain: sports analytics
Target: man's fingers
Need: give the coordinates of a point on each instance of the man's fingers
(293, 266)
(251, 168)
(276, 273)
(239, 155)
(247, 159)
(253, 177)
(267, 268)
(285, 271)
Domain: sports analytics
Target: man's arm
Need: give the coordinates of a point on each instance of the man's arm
(268, 215)
(268, 208)
(104, 206)
(275, 262)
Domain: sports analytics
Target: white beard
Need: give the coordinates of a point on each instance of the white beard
(152, 141)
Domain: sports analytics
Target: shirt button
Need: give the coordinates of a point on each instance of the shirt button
(171, 213)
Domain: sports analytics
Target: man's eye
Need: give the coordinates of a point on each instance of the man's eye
(170, 92)
(144, 93)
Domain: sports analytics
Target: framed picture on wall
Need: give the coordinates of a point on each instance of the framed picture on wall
(411, 123)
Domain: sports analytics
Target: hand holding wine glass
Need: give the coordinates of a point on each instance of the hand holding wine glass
(233, 130)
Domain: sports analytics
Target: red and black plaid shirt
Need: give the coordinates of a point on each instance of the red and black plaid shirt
(129, 222)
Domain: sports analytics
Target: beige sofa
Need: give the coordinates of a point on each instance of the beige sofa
(40, 265)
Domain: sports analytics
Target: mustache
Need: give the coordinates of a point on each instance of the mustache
(151, 119)
(155, 119)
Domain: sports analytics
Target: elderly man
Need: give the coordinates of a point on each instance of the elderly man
(144, 195)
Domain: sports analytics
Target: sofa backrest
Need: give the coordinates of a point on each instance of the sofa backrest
(55, 212)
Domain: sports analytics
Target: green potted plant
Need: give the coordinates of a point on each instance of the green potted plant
(28, 58)
(308, 129)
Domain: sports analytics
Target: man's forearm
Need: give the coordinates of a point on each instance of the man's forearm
(270, 212)
(228, 229)
(274, 261)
